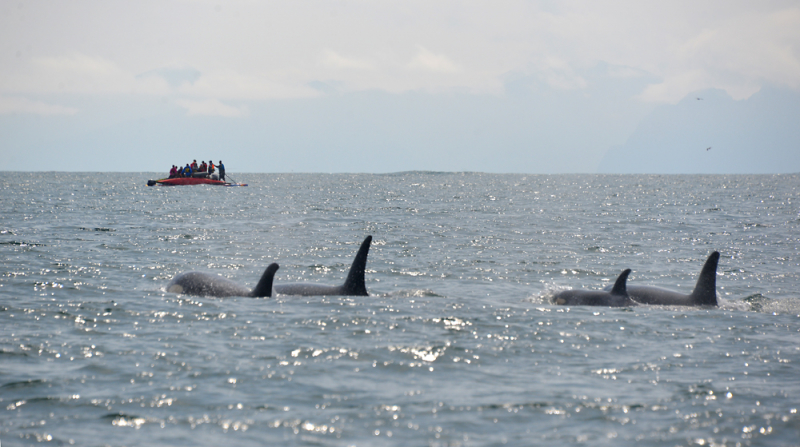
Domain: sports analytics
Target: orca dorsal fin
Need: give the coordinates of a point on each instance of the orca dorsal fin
(264, 286)
(705, 291)
(619, 285)
(354, 284)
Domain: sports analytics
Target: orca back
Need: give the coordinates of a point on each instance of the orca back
(617, 297)
(205, 284)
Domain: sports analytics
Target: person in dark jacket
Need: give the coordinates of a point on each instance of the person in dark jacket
(221, 168)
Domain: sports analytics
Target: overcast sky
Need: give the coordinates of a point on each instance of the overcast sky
(373, 86)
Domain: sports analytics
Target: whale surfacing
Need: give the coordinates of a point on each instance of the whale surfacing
(354, 285)
(704, 293)
(204, 284)
(617, 297)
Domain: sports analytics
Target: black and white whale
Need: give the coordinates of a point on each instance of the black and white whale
(354, 285)
(704, 293)
(204, 284)
(616, 297)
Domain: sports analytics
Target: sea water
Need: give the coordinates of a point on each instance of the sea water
(457, 344)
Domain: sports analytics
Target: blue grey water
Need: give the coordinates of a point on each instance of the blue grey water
(457, 344)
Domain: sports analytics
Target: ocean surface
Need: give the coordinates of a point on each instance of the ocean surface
(457, 344)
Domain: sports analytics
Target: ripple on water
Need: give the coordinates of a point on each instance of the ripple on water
(457, 344)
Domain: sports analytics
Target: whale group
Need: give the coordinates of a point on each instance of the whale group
(620, 294)
(204, 284)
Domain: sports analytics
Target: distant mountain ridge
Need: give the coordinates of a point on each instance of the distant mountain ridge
(715, 135)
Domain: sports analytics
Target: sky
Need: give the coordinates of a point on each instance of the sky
(390, 86)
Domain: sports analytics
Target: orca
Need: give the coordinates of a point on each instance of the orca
(617, 297)
(204, 284)
(354, 285)
(704, 293)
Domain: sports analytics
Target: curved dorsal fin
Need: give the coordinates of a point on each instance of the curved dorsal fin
(354, 284)
(264, 286)
(705, 291)
(619, 284)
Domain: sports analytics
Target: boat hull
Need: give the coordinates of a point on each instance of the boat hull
(186, 181)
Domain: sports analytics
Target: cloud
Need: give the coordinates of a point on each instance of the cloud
(232, 85)
(174, 76)
(738, 53)
(9, 105)
(676, 87)
(77, 73)
(625, 72)
(264, 50)
(558, 74)
(332, 59)
(437, 63)
(80, 64)
(80, 73)
(211, 107)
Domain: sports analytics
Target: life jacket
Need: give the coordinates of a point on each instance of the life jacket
(211, 168)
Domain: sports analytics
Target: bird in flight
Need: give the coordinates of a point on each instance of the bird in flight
(708, 148)
(699, 99)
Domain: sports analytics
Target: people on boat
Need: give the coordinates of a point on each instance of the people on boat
(195, 170)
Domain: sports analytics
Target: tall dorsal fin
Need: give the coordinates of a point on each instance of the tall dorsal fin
(264, 286)
(354, 284)
(705, 291)
(619, 284)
